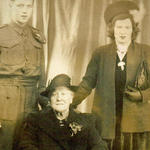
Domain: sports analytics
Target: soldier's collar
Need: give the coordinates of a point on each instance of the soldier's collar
(18, 28)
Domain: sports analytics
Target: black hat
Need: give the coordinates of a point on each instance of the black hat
(57, 81)
(117, 8)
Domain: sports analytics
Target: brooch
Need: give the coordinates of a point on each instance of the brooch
(75, 127)
(121, 64)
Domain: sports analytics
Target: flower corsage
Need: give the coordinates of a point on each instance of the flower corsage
(75, 128)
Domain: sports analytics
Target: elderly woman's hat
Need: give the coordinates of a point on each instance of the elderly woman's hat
(58, 81)
(117, 8)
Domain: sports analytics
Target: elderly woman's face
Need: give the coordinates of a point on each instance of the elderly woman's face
(61, 99)
(123, 31)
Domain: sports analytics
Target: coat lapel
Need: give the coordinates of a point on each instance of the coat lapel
(109, 68)
(50, 126)
(113, 59)
(82, 121)
(133, 55)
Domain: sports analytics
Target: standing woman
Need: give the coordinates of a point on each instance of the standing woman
(120, 72)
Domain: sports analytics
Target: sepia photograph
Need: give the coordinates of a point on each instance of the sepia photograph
(74, 75)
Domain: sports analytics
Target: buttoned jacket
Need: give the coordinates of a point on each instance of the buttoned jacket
(21, 69)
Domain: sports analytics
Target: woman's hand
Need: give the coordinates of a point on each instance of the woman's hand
(133, 94)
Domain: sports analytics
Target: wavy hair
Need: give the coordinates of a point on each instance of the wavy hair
(122, 17)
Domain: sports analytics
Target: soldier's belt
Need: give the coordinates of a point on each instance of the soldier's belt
(18, 81)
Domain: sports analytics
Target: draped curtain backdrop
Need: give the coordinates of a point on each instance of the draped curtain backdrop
(73, 29)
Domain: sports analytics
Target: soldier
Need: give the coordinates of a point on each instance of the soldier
(21, 70)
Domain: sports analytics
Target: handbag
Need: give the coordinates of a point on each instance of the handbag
(141, 81)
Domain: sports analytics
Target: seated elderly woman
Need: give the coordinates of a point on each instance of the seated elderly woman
(59, 127)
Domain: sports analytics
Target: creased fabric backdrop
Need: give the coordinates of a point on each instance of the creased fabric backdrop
(73, 29)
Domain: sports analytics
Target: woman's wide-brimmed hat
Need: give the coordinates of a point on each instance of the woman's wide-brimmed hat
(58, 81)
(118, 8)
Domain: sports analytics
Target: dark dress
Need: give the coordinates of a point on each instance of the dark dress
(120, 81)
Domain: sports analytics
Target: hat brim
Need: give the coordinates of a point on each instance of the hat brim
(46, 93)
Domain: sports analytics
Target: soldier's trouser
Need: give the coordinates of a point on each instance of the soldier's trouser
(17, 99)
(6, 134)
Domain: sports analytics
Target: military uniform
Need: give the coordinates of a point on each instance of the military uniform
(21, 76)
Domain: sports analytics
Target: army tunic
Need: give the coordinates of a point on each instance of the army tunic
(21, 75)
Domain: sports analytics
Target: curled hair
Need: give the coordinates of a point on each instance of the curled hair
(122, 17)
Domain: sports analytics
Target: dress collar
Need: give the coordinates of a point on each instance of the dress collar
(121, 47)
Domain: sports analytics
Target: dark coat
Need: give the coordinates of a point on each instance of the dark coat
(100, 74)
(42, 131)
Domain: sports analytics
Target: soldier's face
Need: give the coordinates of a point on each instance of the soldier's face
(21, 11)
(61, 99)
(123, 31)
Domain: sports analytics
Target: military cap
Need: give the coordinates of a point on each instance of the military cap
(58, 81)
(117, 8)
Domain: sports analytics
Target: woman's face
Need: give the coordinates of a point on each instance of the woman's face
(123, 31)
(61, 99)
